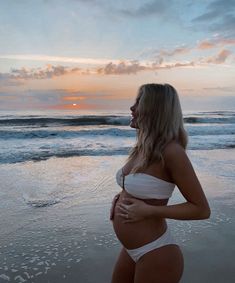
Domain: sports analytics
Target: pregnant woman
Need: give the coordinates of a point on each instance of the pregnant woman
(156, 164)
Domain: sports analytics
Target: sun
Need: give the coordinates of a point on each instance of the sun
(74, 104)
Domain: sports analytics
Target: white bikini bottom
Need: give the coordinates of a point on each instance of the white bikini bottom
(164, 240)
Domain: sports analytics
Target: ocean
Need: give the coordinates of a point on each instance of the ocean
(57, 172)
(39, 137)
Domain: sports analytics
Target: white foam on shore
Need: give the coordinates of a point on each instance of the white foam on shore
(5, 277)
(40, 202)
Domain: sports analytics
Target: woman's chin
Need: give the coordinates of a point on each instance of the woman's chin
(133, 124)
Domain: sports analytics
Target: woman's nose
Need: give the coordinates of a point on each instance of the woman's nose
(132, 108)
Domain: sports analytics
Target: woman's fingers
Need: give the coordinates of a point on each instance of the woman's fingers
(124, 206)
(122, 209)
(123, 215)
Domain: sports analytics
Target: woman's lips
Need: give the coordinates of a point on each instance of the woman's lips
(132, 118)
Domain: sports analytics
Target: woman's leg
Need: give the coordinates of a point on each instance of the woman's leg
(162, 265)
(124, 269)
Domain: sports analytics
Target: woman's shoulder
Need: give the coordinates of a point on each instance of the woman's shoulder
(176, 159)
(172, 151)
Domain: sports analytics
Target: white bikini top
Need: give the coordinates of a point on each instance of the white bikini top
(144, 186)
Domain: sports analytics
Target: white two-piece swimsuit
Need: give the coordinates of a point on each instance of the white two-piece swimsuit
(145, 186)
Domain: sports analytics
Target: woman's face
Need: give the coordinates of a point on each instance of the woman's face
(134, 113)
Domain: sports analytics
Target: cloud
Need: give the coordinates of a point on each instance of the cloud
(135, 67)
(73, 98)
(126, 67)
(173, 65)
(206, 44)
(121, 68)
(48, 72)
(57, 99)
(7, 79)
(215, 10)
(160, 54)
(176, 51)
(218, 17)
(215, 42)
(219, 58)
(18, 76)
(156, 7)
(226, 25)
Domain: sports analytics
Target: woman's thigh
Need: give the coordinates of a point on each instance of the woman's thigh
(124, 269)
(162, 265)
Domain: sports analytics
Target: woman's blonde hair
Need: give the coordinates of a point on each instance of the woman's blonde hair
(159, 122)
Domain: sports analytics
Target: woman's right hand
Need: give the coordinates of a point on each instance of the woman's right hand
(114, 201)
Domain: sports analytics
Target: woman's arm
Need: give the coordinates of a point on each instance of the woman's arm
(181, 170)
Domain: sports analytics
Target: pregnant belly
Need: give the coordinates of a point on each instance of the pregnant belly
(136, 234)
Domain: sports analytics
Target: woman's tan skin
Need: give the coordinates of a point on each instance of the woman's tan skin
(137, 222)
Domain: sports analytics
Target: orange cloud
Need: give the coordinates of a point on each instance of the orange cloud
(75, 107)
(220, 57)
(73, 98)
(125, 67)
(206, 45)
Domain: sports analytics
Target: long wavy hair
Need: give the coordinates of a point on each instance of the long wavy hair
(159, 122)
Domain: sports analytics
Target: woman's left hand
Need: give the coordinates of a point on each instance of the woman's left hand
(133, 210)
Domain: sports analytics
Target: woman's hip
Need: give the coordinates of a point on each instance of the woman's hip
(165, 239)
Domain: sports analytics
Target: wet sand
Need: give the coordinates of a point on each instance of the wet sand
(87, 253)
(73, 241)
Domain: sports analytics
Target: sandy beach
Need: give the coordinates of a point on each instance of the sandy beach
(72, 240)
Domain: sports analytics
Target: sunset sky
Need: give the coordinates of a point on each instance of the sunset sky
(94, 54)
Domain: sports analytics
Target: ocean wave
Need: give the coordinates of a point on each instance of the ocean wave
(40, 155)
(210, 130)
(209, 120)
(50, 134)
(53, 133)
(34, 121)
(66, 121)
